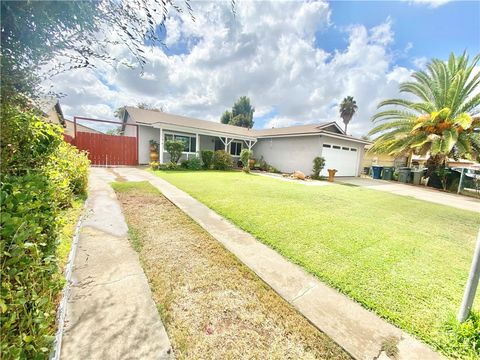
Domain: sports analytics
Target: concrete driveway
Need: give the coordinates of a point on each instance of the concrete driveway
(418, 192)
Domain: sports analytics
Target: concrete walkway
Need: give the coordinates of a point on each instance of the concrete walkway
(418, 192)
(357, 330)
(110, 313)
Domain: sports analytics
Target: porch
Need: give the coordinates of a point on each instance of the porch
(195, 142)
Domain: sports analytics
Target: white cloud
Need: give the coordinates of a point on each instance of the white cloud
(266, 52)
(430, 3)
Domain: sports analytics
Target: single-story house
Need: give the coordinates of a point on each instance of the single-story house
(288, 149)
(52, 110)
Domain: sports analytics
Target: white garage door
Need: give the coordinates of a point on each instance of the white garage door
(342, 158)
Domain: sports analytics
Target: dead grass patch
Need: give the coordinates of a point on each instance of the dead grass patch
(213, 306)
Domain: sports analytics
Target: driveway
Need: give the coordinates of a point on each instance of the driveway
(418, 192)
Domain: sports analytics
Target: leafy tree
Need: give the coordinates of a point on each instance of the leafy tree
(146, 106)
(226, 117)
(348, 107)
(318, 165)
(246, 155)
(441, 120)
(174, 148)
(241, 114)
(63, 35)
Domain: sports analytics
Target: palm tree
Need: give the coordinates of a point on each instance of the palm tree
(348, 107)
(440, 120)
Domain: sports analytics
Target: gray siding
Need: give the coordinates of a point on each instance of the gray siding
(146, 134)
(288, 154)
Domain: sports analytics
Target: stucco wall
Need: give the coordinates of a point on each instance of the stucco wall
(145, 134)
(70, 129)
(289, 154)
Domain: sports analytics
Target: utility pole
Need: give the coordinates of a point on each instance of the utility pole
(472, 284)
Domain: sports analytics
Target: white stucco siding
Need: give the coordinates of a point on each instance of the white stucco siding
(288, 154)
(145, 134)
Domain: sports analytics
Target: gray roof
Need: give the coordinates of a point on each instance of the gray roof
(149, 117)
(142, 116)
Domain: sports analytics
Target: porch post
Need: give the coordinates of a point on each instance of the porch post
(226, 144)
(160, 150)
(197, 145)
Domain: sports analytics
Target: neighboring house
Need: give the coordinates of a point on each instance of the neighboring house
(70, 128)
(52, 110)
(382, 159)
(288, 149)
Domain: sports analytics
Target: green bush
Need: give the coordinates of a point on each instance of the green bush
(154, 165)
(245, 155)
(40, 174)
(318, 165)
(174, 149)
(222, 160)
(194, 164)
(207, 158)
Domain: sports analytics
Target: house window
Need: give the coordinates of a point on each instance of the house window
(345, 148)
(189, 142)
(336, 147)
(353, 149)
(235, 148)
(327, 146)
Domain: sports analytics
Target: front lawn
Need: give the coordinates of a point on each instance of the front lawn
(406, 259)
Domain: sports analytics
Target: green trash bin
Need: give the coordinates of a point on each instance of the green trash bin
(404, 175)
(387, 172)
(417, 176)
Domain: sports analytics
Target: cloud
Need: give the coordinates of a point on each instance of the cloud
(267, 52)
(430, 3)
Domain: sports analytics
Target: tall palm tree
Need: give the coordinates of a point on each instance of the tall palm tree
(348, 107)
(442, 117)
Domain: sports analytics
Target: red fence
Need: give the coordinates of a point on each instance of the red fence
(108, 149)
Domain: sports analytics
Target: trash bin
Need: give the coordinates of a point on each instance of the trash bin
(387, 172)
(377, 172)
(417, 176)
(404, 174)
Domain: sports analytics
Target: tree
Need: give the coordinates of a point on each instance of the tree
(441, 120)
(64, 35)
(241, 114)
(226, 117)
(174, 148)
(348, 107)
(146, 106)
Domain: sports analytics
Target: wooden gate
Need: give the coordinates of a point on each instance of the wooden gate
(108, 149)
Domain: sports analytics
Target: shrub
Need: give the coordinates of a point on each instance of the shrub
(222, 160)
(245, 155)
(207, 158)
(262, 164)
(39, 175)
(154, 165)
(318, 165)
(174, 149)
(273, 169)
(194, 164)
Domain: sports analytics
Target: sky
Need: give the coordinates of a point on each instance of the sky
(295, 60)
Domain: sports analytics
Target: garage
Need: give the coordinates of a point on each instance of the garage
(340, 157)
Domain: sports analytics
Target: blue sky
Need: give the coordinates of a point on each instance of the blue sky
(431, 31)
(295, 60)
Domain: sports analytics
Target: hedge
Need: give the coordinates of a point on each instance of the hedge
(40, 175)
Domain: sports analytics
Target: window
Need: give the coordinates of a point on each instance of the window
(327, 146)
(345, 148)
(235, 148)
(190, 142)
(336, 147)
(353, 149)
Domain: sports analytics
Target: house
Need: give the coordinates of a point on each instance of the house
(52, 110)
(288, 149)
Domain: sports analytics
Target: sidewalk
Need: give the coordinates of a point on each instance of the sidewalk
(110, 313)
(357, 330)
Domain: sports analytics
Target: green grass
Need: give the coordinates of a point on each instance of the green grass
(70, 218)
(405, 259)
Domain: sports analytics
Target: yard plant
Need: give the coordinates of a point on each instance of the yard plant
(222, 160)
(403, 258)
(318, 165)
(40, 178)
(439, 119)
(174, 148)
